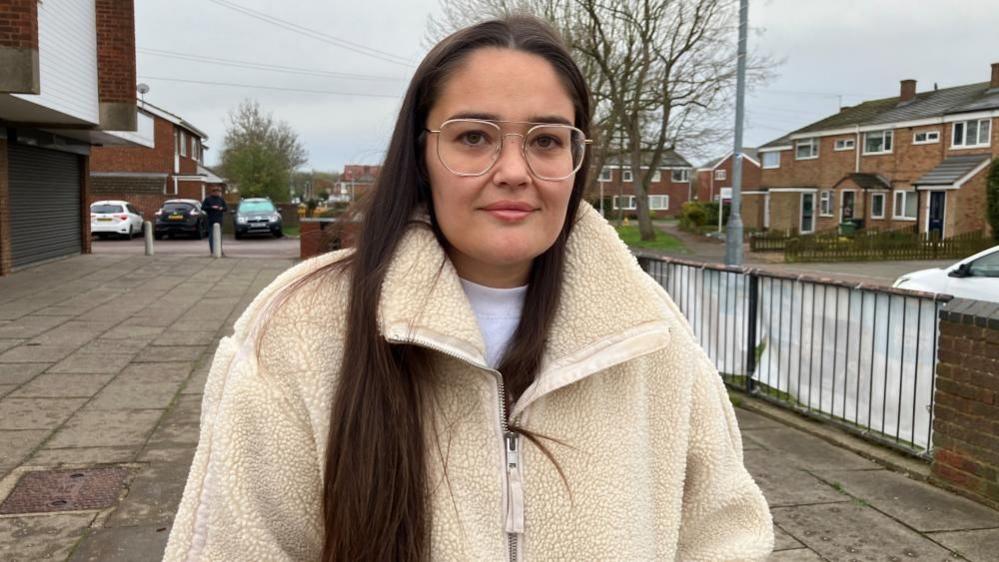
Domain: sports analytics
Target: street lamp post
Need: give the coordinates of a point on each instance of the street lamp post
(733, 240)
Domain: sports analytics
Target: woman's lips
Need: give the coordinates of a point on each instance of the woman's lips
(509, 215)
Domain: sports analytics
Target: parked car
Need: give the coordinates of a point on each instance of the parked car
(181, 216)
(976, 278)
(115, 218)
(257, 215)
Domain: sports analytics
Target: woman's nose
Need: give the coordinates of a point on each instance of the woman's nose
(511, 168)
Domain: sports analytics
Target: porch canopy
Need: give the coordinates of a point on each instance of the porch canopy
(953, 172)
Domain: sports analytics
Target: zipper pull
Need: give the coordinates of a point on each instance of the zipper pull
(515, 486)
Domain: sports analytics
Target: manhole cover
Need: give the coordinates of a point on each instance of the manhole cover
(65, 490)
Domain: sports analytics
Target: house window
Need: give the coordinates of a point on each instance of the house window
(626, 176)
(680, 176)
(657, 177)
(806, 149)
(771, 160)
(877, 205)
(826, 203)
(606, 174)
(183, 144)
(926, 137)
(624, 202)
(905, 205)
(658, 202)
(844, 144)
(877, 142)
(720, 175)
(968, 134)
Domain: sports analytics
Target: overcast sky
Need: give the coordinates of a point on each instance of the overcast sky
(833, 52)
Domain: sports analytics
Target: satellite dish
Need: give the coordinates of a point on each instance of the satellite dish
(142, 88)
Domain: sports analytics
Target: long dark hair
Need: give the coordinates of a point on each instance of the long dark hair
(375, 491)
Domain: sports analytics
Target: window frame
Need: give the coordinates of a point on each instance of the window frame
(905, 200)
(627, 176)
(657, 177)
(631, 199)
(825, 203)
(883, 201)
(606, 174)
(927, 140)
(964, 133)
(663, 197)
(844, 148)
(812, 142)
(720, 174)
(684, 175)
(183, 144)
(887, 140)
(763, 160)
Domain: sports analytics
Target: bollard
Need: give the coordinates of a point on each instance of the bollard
(147, 231)
(216, 240)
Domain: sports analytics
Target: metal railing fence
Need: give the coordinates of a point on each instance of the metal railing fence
(862, 357)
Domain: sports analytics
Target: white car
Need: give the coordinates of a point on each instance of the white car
(975, 278)
(115, 217)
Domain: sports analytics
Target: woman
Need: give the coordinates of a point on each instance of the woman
(488, 376)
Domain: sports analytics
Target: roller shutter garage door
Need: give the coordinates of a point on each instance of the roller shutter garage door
(45, 211)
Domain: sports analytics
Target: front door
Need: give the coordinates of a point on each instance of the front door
(807, 212)
(934, 226)
(847, 206)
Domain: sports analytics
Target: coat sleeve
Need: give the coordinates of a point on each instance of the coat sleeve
(724, 514)
(254, 489)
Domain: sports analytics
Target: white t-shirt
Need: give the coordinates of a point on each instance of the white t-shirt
(498, 313)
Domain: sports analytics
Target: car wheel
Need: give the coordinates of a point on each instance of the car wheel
(278, 234)
(199, 233)
(238, 236)
(157, 236)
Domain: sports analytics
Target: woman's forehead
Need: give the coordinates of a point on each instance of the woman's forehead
(505, 84)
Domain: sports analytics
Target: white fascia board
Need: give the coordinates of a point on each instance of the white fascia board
(793, 190)
(901, 124)
(163, 114)
(970, 116)
(774, 148)
(828, 133)
(925, 187)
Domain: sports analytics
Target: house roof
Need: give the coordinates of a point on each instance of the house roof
(782, 141)
(210, 175)
(171, 117)
(670, 159)
(747, 152)
(952, 169)
(868, 181)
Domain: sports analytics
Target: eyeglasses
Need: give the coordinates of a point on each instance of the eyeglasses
(470, 147)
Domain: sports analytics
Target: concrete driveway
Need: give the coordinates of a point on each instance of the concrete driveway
(256, 247)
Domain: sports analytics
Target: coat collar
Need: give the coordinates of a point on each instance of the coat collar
(610, 310)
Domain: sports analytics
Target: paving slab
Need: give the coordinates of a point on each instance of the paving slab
(62, 386)
(147, 333)
(29, 353)
(750, 420)
(784, 484)
(81, 456)
(184, 337)
(160, 354)
(805, 451)
(797, 555)
(16, 445)
(18, 373)
(135, 393)
(784, 541)
(84, 362)
(123, 544)
(106, 428)
(104, 345)
(70, 334)
(153, 495)
(6, 389)
(29, 326)
(917, 504)
(46, 537)
(848, 531)
(980, 546)
(172, 371)
(7, 343)
(37, 413)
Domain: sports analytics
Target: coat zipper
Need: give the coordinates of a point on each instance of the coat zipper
(514, 483)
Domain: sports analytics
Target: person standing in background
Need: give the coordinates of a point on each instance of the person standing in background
(215, 207)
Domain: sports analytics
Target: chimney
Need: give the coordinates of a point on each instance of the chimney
(995, 76)
(908, 91)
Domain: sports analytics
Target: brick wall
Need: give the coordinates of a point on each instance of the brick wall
(966, 403)
(116, 64)
(5, 257)
(158, 159)
(19, 24)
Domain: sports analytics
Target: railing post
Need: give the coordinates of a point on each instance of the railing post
(751, 313)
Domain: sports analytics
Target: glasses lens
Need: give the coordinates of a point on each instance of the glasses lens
(469, 147)
(554, 152)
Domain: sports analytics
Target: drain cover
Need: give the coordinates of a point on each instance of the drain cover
(65, 490)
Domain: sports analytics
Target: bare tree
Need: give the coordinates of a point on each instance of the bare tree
(662, 73)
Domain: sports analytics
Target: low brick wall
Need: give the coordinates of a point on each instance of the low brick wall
(318, 236)
(966, 402)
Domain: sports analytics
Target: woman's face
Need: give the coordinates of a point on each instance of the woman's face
(490, 244)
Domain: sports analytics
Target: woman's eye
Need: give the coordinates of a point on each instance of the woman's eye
(547, 142)
(474, 138)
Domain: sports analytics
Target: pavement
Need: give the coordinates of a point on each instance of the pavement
(286, 247)
(103, 359)
(712, 250)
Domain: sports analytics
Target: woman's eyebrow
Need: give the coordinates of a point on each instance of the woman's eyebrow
(558, 119)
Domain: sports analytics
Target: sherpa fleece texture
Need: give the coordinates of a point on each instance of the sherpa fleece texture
(652, 454)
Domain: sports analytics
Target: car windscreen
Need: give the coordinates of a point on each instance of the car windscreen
(256, 207)
(177, 208)
(106, 208)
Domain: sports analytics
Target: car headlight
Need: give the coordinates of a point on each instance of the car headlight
(241, 220)
(275, 218)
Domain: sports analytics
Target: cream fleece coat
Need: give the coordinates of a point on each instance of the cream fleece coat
(653, 457)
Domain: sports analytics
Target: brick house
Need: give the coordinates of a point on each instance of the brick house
(67, 83)
(716, 174)
(167, 164)
(916, 159)
(669, 188)
(355, 181)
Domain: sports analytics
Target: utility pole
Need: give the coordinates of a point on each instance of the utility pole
(733, 238)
